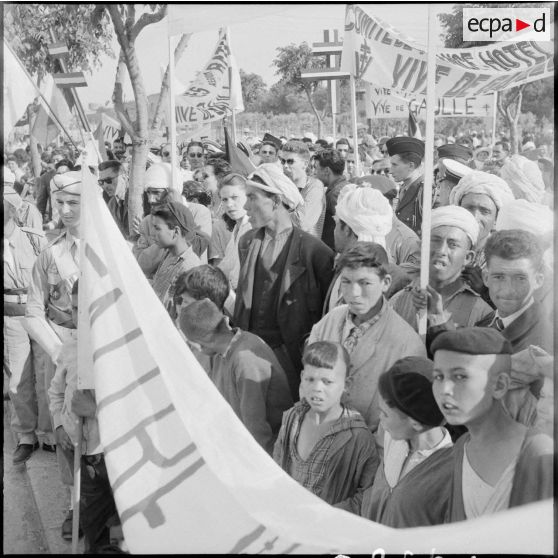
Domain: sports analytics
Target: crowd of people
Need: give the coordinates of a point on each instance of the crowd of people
(296, 286)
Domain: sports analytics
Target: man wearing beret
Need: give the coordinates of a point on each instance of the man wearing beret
(453, 235)
(499, 463)
(49, 303)
(23, 358)
(284, 272)
(456, 152)
(406, 156)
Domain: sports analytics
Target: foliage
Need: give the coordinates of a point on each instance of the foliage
(253, 90)
(27, 28)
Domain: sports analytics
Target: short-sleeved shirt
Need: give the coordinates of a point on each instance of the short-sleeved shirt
(20, 256)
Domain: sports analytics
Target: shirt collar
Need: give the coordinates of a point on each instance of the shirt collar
(444, 443)
(374, 318)
(512, 317)
(237, 333)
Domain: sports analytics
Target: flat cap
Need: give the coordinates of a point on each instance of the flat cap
(473, 341)
(455, 151)
(405, 144)
(408, 385)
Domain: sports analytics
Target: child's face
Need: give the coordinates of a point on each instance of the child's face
(511, 283)
(323, 387)
(395, 422)
(75, 309)
(464, 385)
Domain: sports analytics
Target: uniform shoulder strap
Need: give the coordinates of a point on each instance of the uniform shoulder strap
(34, 236)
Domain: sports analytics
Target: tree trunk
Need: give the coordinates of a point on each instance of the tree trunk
(314, 110)
(34, 151)
(509, 106)
(163, 95)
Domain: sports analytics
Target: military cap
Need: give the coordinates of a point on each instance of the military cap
(272, 139)
(408, 386)
(455, 151)
(453, 170)
(68, 183)
(405, 144)
(473, 341)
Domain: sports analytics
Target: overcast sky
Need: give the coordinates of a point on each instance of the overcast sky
(253, 43)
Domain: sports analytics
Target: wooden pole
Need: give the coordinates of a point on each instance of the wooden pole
(494, 118)
(77, 488)
(172, 116)
(428, 161)
(354, 123)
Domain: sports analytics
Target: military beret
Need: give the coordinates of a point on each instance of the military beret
(408, 386)
(68, 183)
(405, 144)
(455, 150)
(473, 341)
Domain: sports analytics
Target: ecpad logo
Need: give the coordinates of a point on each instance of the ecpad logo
(506, 24)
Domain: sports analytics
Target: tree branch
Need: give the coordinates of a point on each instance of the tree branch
(118, 98)
(130, 20)
(147, 19)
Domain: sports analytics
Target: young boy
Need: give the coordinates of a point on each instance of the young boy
(412, 485)
(322, 444)
(243, 368)
(67, 403)
(499, 463)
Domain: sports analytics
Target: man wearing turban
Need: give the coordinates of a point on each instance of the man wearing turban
(284, 272)
(453, 234)
(483, 195)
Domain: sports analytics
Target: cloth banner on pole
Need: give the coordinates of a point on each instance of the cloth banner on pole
(377, 53)
(19, 90)
(384, 102)
(187, 476)
(209, 97)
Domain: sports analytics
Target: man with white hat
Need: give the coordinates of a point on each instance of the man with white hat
(284, 272)
(453, 234)
(450, 172)
(27, 214)
(48, 316)
(157, 188)
(23, 358)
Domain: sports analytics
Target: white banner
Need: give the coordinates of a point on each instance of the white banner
(378, 54)
(213, 94)
(187, 476)
(383, 102)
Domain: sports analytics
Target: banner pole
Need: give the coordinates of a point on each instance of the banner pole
(172, 117)
(494, 118)
(77, 487)
(428, 162)
(354, 123)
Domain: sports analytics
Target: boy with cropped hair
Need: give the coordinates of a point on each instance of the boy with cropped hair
(499, 463)
(324, 445)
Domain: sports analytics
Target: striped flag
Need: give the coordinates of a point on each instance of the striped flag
(58, 51)
(70, 79)
(187, 476)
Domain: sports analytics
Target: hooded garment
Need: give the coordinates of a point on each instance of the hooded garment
(524, 177)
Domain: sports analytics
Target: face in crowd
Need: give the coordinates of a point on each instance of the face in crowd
(499, 153)
(483, 209)
(195, 157)
(165, 235)
(155, 195)
(119, 149)
(401, 169)
(233, 199)
(362, 288)
(343, 149)
(109, 179)
(450, 251)
(395, 422)
(260, 208)
(68, 208)
(294, 166)
(323, 387)
(268, 153)
(209, 180)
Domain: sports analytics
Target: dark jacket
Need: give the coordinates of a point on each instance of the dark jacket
(304, 284)
(409, 208)
(332, 195)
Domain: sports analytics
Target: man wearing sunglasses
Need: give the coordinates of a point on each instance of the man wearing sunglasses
(195, 155)
(268, 152)
(113, 179)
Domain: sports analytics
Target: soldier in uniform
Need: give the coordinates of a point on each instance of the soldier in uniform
(27, 214)
(23, 358)
(406, 155)
(49, 306)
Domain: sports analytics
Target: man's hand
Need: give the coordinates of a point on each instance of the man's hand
(63, 440)
(472, 275)
(427, 298)
(83, 403)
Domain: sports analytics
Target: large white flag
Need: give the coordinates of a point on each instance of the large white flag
(187, 476)
(19, 90)
(379, 54)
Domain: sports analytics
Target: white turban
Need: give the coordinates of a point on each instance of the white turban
(276, 182)
(366, 211)
(9, 176)
(68, 183)
(480, 182)
(455, 216)
(524, 178)
(159, 175)
(527, 216)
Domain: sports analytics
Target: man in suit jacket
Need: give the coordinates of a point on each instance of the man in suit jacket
(284, 272)
(406, 155)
